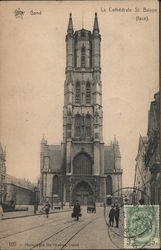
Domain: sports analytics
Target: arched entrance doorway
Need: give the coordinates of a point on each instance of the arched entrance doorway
(83, 193)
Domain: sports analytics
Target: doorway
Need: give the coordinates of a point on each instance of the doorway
(83, 193)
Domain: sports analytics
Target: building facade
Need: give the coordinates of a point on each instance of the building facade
(2, 173)
(19, 191)
(142, 173)
(82, 168)
(152, 159)
(147, 170)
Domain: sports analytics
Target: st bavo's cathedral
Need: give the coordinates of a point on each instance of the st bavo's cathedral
(82, 167)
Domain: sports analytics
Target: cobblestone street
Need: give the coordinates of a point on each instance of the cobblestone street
(60, 231)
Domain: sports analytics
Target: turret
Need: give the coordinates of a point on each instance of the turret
(96, 47)
(95, 26)
(117, 154)
(70, 25)
(70, 45)
(43, 143)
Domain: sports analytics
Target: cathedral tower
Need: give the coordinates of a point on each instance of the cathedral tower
(82, 113)
(82, 168)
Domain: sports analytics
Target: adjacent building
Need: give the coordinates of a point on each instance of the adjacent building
(82, 167)
(19, 191)
(152, 158)
(147, 169)
(142, 173)
(2, 173)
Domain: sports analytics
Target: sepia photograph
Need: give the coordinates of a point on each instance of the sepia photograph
(79, 125)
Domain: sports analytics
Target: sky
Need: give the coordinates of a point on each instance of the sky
(32, 74)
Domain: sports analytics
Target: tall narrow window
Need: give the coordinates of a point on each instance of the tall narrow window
(88, 125)
(75, 58)
(55, 185)
(109, 185)
(88, 93)
(77, 93)
(77, 125)
(83, 57)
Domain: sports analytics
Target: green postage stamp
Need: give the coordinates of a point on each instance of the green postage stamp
(141, 225)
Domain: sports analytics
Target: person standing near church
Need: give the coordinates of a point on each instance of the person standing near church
(111, 216)
(77, 210)
(117, 215)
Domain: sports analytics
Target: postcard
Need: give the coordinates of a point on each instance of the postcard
(79, 125)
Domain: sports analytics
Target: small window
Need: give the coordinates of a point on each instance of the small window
(55, 185)
(77, 93)
(88, 93)
(77, 125)
(83, 57)
(88, 126)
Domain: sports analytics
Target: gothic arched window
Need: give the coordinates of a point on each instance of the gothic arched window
(88, 93)
(77, 125)
(109, 185)
(82, 165)
(88, 125)
(55, 185)
(77, 93)
(83, 57)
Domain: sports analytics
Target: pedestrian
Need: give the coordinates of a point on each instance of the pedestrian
(76, 210)
(117, 215)
(47, 209)
(111, 216)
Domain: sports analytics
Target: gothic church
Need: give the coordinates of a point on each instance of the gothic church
(82, 167)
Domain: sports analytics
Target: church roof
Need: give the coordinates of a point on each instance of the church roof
(109, 160)
(54, 152)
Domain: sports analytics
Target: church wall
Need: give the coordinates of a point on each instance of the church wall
(86, 76)
(116, 185)
(101, 158)
(96, 158)
(102, 193)
(49, 185)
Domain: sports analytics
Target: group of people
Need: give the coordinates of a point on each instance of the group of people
(114, 214)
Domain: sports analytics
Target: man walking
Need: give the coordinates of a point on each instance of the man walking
(111, 216)
(47, 208)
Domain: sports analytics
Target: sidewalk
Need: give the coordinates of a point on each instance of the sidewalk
(116, 234)
(30, 212)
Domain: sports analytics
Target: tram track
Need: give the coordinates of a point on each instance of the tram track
(31, 228)
(62, 230)
(72, 237)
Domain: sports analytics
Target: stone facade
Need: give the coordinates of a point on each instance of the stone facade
(2, 173)
(147, 170)
(82, 168)
(152, 158)
(142, 173)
